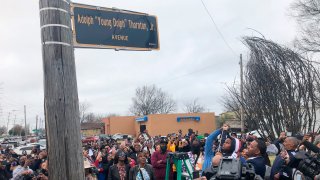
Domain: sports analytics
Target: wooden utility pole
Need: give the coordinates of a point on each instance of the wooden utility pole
(25, 121)
(8, 122)
(61, 104)
(241, 94)
(37, 125)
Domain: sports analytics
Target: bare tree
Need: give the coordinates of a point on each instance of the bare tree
(281, 90)
(92, 117)
(151, 100)
(307, 13)
(194, 107)
(83, 108)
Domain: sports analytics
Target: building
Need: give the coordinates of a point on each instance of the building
(92, 129)
(231, 119)
(161, 124)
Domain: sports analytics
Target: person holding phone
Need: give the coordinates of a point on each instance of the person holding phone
(279, 142)
(209, 151)
(286, 155)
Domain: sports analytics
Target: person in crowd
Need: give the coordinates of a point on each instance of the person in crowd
(257, 156)
(148, 156)
(3, 172)
(244, 154)
(38, 160)
(186, 148)
(171, 146)
(209, 151)
(279, 142)
(131, 162)
(279, 169)
(234, 135)
(212, 170)
(230, 147)
(13, 154)
(99, 165)
(317, 141)
(23, 170)
(195, 150)
(159, 161)
(89, 175)
(143, 170)
(136, 150)
(271, 148)
(109, 163)
(149, 149)
(43, 172)
(120, 169)
(158, 149)
(192, 137)
(85, 154)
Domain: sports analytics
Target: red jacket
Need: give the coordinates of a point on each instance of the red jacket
(160, 167)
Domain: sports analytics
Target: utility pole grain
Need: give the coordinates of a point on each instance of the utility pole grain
(61, 104)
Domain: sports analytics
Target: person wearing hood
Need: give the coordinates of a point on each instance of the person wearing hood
(230, 146)
(159, 161)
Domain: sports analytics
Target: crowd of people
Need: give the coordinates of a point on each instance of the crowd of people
(146, 157)
(25, 166)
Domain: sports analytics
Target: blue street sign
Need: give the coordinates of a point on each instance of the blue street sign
(97, 27)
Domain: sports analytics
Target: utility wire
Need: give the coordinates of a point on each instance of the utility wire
(217, 28)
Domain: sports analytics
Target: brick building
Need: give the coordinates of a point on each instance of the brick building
(92, 129)
(161, 124)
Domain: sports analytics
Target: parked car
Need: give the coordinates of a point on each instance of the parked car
(27, 149)
(119, 136)
(104, 136)
(43, 143)
(90, 139)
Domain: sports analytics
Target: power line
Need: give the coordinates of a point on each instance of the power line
(217, 28)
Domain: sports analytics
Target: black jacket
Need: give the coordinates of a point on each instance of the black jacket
(114, 172)
(259, 165)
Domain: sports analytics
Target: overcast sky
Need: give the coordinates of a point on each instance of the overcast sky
(193, 61)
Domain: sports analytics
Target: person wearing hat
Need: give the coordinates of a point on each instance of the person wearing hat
(159, 161)
(89, 175)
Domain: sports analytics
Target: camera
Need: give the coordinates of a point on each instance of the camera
(233, 169)
(309, 165)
